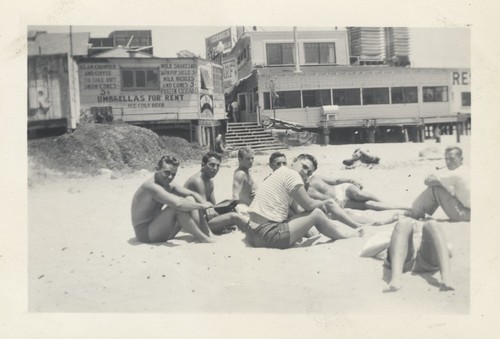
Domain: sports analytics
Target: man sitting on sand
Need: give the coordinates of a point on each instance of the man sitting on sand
(270, 225)
(348, 193)
(243, 185)
(203, 184)
(160, 208)
(449, 189)
(335, 211)
(406, 254)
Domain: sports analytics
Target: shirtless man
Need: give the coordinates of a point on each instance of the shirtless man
(154, 223)
(243, 185)
(202, 183)
(348, 193)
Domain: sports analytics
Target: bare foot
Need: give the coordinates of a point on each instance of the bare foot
(392, 287)
(445, 286)
(390, 220)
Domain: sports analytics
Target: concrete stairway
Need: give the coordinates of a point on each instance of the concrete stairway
(250, 134)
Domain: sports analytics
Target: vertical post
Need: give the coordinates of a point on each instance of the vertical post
(296, 48)
(458, 129)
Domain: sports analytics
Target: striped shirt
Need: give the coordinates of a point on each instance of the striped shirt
(273, 198)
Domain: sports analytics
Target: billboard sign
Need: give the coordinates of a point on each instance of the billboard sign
(212, 42)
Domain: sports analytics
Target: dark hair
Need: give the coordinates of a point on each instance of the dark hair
(308, 157)
(209, 155)
(275, 155)
(167, 159)
(244, 150)
(454, 148)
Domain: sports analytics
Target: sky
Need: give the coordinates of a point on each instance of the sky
(429, 47)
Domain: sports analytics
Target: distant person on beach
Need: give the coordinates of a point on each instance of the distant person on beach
(406, 253)
(161, 208)
(270, 225)
(220, 146)
(243, 185)
(449, 189)
(202, 183)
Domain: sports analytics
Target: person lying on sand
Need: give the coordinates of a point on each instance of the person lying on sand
(203, 184)
(243, 185)
(348, 193)
(404, 253)
(161, 208)
(335, 211)
(449, 189)
(270, 225)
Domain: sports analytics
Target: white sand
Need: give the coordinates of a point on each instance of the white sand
(83, 256)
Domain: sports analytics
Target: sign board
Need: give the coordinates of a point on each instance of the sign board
(229, 73)
(212, 41)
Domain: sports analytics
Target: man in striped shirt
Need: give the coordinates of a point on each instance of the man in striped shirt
(269, 224)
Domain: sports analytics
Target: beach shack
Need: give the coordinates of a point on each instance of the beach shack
(53, 87)
(182, 95)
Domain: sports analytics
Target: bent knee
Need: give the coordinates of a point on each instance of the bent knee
(403, 226)
(430, 226)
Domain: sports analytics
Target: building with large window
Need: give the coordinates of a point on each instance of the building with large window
(307, 79)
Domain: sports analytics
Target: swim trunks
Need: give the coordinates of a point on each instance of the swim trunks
(270, 235)
(414, 261)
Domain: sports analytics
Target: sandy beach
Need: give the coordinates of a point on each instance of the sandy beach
(83, 256)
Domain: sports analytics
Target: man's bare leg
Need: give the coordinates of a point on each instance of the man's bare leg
(301, 223)
(222, 221)
(363, 200)
(338, 213)
(434, 250)
(401, 243)
(189, 224)
(164, 226)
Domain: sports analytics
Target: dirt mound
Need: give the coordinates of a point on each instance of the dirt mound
(116, 146)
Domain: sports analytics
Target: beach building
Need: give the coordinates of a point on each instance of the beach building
(306, 79)
(53, 88)
(183, 96)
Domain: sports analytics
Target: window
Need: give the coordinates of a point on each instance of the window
(404, 95)
(288, 99)
(267, 100)
(319, 52)
(242, 100)
(279, 54)
(465, 99)
(140, 79)
(346, 96)
(436, 94)
(316, 98)
(375, 96)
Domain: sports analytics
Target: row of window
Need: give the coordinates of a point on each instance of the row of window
(314, 53)
(356, 96)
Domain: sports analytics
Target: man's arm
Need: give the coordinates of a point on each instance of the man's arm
(432, 180)
(338, 181)
(185, 192)
(303, 199)
(159, 194)
(238, 180)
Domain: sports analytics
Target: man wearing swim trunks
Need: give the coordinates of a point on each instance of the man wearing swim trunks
(160, 208)
(406, 254)
(449, 189)
(203, 184)
(269, 224)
